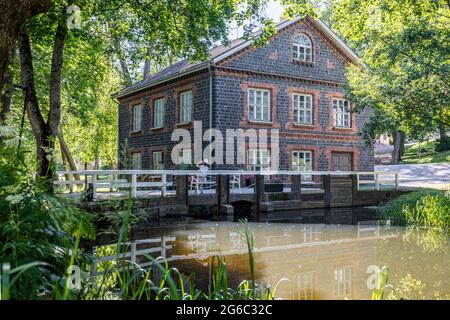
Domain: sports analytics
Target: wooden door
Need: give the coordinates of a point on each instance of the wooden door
(341, 161)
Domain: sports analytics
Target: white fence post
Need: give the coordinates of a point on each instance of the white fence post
(94, 262)
(71, 185)
(377, 182)
(94, 186)
(164, 182)
(163, 247)
(357, 182)
(133, 185)
(397, 181)
(133, 252)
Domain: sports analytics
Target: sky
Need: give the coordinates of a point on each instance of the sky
(274, 11)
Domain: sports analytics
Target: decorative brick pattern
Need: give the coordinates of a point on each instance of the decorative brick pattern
(353, 128)
(273, 105)
(157, 149)
(315, 150)
(356, 154)
(313, 51)
(130, 110)
(176, 97)
(158, 96)
(291, 125)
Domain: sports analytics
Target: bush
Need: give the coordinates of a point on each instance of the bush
(37, 227)
(421, 208)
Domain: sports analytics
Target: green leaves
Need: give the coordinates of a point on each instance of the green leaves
(405, 46)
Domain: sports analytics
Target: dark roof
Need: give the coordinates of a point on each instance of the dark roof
(182, 66)
(218, 53)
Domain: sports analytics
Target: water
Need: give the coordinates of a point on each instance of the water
(319, 260)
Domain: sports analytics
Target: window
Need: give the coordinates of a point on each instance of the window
(259, 105)
(186, 156)
(343, 278)
(302, 48)
(259, 159)
(303, 108)
(341, 113)
(186, 107)
(158, 113)
(302, 161)
(158, 160)
(136, 163)
(306, 286)
(137, 118)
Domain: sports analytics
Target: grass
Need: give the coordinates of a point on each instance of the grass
(427, 208)
(414, 156)
(381, 285)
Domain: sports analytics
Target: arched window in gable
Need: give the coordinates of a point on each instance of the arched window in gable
(302, 48)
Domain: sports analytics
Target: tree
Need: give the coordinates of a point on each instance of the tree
(118, 34)
(405, 47)
(12, 16)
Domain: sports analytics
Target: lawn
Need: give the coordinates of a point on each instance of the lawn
(413, 154)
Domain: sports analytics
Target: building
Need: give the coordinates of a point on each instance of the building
(383, 139)
(294, 84)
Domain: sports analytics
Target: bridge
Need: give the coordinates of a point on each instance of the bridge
(231, 190)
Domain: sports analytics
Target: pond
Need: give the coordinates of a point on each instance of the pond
(331, 257)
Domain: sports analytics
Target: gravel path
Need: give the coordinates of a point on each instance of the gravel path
(420, 175)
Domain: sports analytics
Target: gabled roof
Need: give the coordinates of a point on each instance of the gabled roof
(219, 53)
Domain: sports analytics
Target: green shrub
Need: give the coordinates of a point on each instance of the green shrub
(421, 208)
(37, 229)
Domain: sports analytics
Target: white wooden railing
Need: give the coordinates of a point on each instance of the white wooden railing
(129, 179)
(381, 180)
(135, 255)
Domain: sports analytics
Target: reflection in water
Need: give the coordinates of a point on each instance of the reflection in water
(320, 261)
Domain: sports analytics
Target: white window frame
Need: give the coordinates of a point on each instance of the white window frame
(302, 110)
(306, 166)
(259, 159)
(343, 278)
(305, 284)
(259, 105)
(158, 160)
(341, 113)
(137, 118)
(186, 102)
(158, 113)
(302, 48)
(186, 156)
(136, 160)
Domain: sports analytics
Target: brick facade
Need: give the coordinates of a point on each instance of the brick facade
(272, 68)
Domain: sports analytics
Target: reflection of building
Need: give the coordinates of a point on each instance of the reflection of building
(320, 261)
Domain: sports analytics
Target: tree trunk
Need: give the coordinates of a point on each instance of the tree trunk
(399, 146)
(41, 131)
(13, 14)
(444, 139)
(65, 152)
(123, 64)
(45, 133)
(54, 115)
(6, 97)
(5, 100)
(148, 62)
(64, 160)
